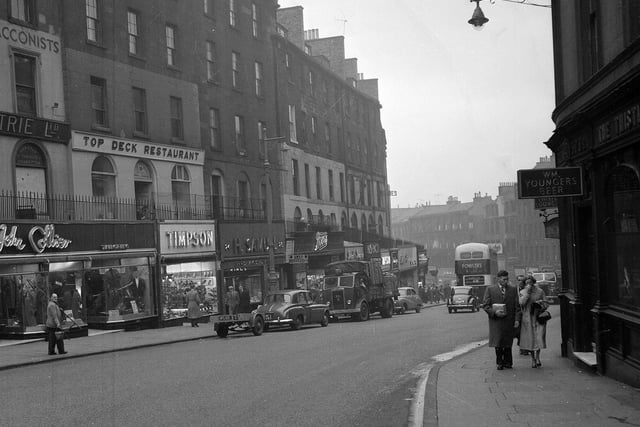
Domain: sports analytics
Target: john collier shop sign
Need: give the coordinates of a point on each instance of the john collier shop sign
(181, 238)
(38, 239)
(51, 238)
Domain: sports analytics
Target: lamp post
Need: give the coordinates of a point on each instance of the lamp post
(273, 276)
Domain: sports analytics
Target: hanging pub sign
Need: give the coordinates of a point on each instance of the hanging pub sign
(552, 228)
(371, 250)
(542, 203)
(557, 182)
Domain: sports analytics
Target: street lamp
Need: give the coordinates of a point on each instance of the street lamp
(273, 276)
(477, 19)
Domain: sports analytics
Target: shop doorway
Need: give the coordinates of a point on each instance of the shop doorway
(586, 277)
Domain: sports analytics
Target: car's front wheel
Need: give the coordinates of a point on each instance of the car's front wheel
(325, 319)
(258, 326)
(297, 323)
(363, 316)
(222, 330)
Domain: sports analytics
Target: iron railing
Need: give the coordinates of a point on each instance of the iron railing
(158, 206)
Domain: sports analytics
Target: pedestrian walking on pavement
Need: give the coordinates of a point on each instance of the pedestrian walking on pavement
(193, 306)
(233, 300)
(533, 334)
(523, 352)
(501, 305)
(54, 324)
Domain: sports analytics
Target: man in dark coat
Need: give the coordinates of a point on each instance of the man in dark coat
(503, 322)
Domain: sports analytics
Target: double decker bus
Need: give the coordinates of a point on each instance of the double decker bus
(476, 265)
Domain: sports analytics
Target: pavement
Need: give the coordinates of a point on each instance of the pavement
(464, 391)
(470, 391)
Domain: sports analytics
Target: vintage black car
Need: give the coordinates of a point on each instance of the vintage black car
(293, 308)
(408, 300)
(463, 298)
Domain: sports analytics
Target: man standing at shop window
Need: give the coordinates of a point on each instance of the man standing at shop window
(501, 304)
(54, 324)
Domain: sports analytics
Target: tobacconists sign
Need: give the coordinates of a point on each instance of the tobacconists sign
(558, 182)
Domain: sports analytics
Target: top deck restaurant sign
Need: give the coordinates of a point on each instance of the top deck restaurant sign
(557, 182)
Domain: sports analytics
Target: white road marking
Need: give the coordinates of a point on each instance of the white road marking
(416, 412)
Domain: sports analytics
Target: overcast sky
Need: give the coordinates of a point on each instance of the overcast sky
(463, 109)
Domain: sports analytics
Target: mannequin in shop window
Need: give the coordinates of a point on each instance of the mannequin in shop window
(29, 302)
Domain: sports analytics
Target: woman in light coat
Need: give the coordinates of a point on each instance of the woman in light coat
(193, 306)
(533, 334)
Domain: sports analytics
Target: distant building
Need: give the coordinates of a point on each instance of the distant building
(512, 224)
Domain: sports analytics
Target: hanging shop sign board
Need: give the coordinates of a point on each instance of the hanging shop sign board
(407, 258)
(297, 258)
(552, 229)
(556, 182)
(541, 203)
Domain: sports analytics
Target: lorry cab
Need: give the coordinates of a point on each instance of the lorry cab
(342, 292)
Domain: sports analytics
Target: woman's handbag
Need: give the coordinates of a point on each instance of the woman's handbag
(543, 317)
(59, 335)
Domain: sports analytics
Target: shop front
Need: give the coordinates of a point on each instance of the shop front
(101, 272)
(600, 229)
(318, 248)
(188, 260)
(408, 266)
(252, 261)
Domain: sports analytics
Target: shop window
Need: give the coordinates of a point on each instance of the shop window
(65, 280)
(119, 289)
(623, 222)
(178, 278)
(24, 295)
(247, 281)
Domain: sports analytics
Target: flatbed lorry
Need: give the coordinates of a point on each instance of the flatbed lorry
(358, 288)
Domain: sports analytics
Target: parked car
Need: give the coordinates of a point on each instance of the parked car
(408, 300)
(463, 298)
(293, 308)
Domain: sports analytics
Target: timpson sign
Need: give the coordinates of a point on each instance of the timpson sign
(187, 238)
(82, 141)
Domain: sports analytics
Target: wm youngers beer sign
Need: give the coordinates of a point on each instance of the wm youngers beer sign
(558, 182)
